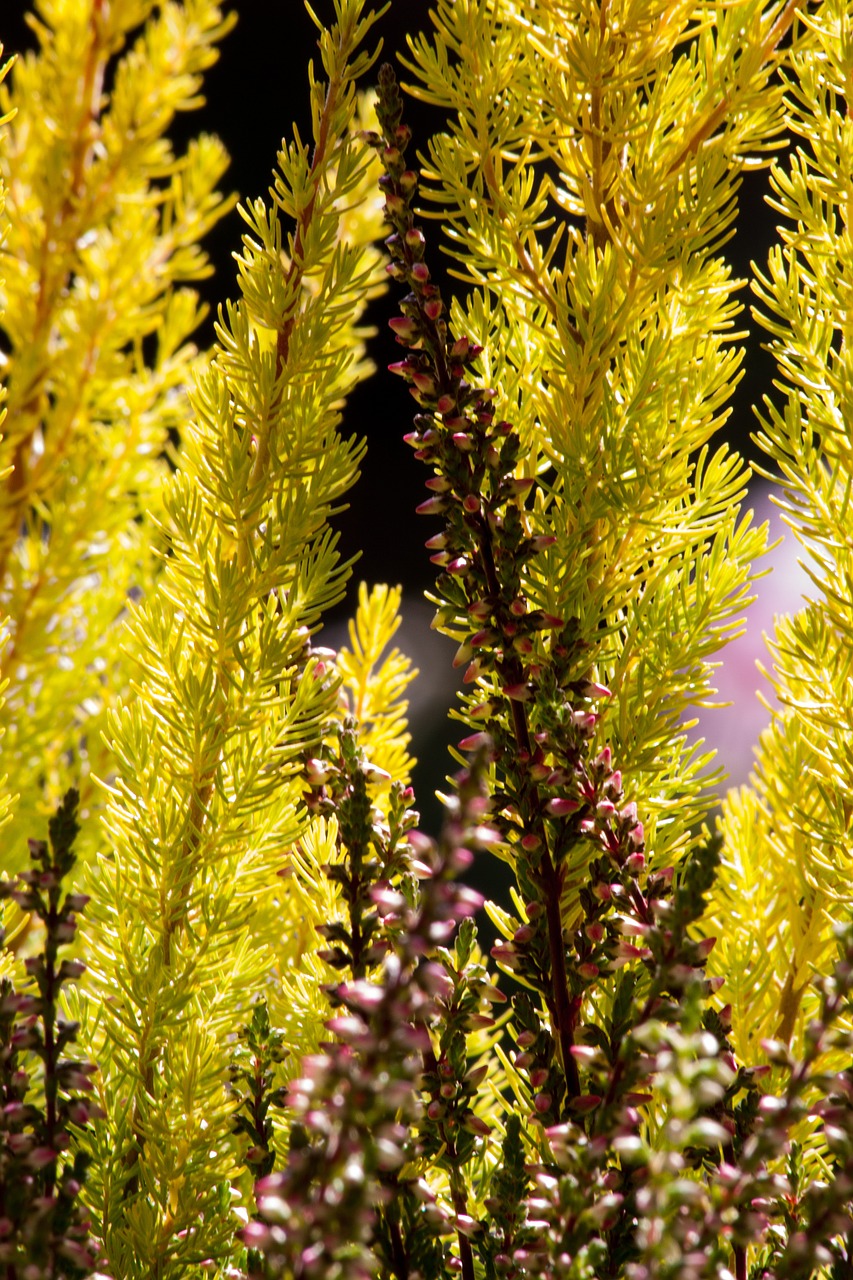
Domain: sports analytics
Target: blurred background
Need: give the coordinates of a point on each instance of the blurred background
(254, 94)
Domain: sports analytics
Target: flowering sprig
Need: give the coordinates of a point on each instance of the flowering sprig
(43, 1225)
(252, 1080)
(373, 853)
(550, 795)
(339, 1201)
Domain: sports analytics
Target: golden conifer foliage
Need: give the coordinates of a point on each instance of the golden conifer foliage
(103, 245)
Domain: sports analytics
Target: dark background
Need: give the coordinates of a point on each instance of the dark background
(254, 94)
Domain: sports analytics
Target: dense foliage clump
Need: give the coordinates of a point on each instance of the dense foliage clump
(292, 1056)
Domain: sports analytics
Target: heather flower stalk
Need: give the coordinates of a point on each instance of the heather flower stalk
(358, 1102)
(44, 1228)
(550, 793)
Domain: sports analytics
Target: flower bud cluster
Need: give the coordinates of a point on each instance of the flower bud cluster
(44, 1229)
(373, 853)
(541, 709)
(253, 1072)
(450, 1128)
(360, 1114)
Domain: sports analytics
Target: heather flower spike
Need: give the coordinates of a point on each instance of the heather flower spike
(45, 1096)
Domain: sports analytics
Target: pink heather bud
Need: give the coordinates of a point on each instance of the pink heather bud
(459, 566)
(463, 442)
(425, 383)
(462, 655)
(462, 1222)
(527, 1038)
(604, 758)
(404, 327)
(542, 1102)
(474, 741)
(479, 1022)
(585, 719)
(561, 806)
(635, 863)
(629, 812)
(517, 692)
(433, 308)
(523, 934)
(403, 368)
(725, 1016)
(505, 955)
(539, 771)
(408, 182)
(605, 809)
(626, 952)
(521, 486)
(317, 771)
(414, 239)
(485, 636)
(594, 931)
(538, 1078)
(471, 503)
(40, 1157)
(479, 610)
(632, 928)
(594, 690)
(472, 673)
(637, 834)
(482, 711)
(530, 843)
(585, 1103)
(614, 783)
(436, 1110)
(387, 899)
(420, 270)
(441, 558)
(346, 1026)
(541, 541)
(467, 901)
(460, 348)
(437, 542)
(586, 1054)
(484, 837)
(518, 608)
(705, 947)
(391, 156)
(438, 484)
(432, 507)
(522, 644)
(445, 404)
(448, 1090)
(588, 970)
(475, 1125)
(602, 891)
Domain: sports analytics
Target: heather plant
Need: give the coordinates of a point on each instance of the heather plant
(46, 1096)
(309, 1066)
